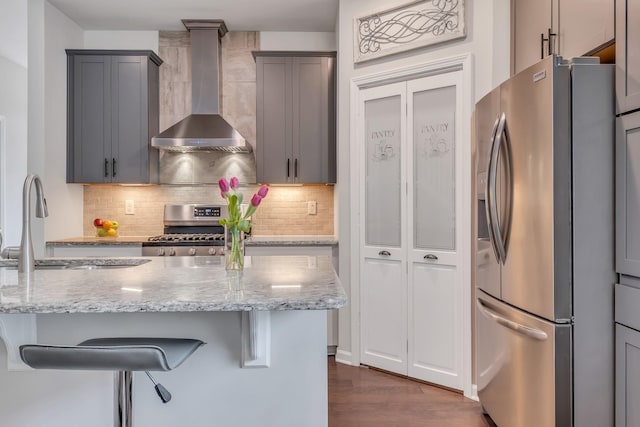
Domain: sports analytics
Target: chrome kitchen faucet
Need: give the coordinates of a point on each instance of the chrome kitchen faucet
(26, 259)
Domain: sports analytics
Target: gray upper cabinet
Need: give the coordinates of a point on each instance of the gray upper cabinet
(112, 114)
(627, 55)
(628, 194)
(532, 25)
(565, 27)
(295, 117)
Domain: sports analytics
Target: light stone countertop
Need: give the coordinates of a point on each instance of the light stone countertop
(96, 241)
(310, 240)
(280, 240)
(173, 284)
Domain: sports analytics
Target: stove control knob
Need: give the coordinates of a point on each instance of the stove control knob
(172, 252)
(192, 251)
(212, 251)
(160, 251)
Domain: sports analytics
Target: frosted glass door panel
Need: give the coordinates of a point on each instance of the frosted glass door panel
(383, 179)
(434, 177)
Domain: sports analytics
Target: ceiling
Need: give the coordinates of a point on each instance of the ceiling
(239, 15)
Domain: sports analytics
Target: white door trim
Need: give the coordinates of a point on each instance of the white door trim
(3, 177)
(460, 62)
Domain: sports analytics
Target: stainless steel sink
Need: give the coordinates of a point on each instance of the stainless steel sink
(78, 263)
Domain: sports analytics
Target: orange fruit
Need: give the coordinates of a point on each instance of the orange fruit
(106, 224)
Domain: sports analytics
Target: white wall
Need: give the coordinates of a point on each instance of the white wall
(65, 207)
(487, 40)
(13, 109)
(13, 31)
(50, 33)
(127, 40)
(282, 40)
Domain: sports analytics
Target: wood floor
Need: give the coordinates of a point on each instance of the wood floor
(362, 397)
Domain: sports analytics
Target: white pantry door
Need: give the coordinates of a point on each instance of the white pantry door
(434, 207)
(383, 273)
(410, 208)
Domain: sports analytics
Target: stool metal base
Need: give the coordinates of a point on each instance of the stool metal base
(123, 399)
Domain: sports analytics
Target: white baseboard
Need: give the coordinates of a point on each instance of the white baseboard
(344, 357)
(474, 393)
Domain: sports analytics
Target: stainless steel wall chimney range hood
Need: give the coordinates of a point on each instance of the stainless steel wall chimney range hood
(204, 129)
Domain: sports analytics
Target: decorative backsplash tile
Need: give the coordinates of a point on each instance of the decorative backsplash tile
(282, 212)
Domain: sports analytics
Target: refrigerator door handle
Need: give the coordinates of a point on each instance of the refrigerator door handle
(503, 142)
(490, 194)
(527, 331)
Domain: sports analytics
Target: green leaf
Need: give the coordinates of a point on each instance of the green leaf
(244, 225)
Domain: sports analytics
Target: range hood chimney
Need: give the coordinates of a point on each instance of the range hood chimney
(204, 129)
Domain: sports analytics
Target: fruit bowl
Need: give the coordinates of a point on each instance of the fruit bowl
(106, 227)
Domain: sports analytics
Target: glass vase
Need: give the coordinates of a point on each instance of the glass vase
(234, 249)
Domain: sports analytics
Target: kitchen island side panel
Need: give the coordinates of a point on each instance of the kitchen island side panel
(210, 388)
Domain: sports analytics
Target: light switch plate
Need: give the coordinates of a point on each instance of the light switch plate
(129, 207)
(311, 207)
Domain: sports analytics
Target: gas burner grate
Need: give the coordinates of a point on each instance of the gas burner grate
(177, 237)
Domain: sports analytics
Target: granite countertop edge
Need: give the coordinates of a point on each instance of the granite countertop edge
(175, 284)
(319, 240)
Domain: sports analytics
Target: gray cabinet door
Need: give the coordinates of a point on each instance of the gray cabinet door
(274, 161)
(295, 118)
(628, 194)
(313, 120)
(112, 114)
(627, 55)
(531, 23)
(627, 377)
(129, 134)
(90, 119)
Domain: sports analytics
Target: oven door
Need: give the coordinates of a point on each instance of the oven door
(523, 366)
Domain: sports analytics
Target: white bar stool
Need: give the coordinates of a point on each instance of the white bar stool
(122, 355)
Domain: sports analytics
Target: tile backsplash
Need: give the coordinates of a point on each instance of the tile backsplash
(282, 212)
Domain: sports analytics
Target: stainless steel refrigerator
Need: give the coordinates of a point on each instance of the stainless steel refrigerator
(544, 246)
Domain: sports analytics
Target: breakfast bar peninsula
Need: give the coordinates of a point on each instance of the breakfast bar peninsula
(264, 364)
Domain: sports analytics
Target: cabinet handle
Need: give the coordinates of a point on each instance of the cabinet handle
(295, 168)
(113, 167)
(550, 40)
(430, 257)
(384, 253)
(106, 167)
(287, 168)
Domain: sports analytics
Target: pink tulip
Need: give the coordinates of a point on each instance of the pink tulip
(262, 192)
(223, 195)
(224, 185)
(234, 183)
(255, 200)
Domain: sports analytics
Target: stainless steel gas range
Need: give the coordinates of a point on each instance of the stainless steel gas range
(189, 230)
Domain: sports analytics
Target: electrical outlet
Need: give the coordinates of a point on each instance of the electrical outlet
(311, 207)
(129, 207)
